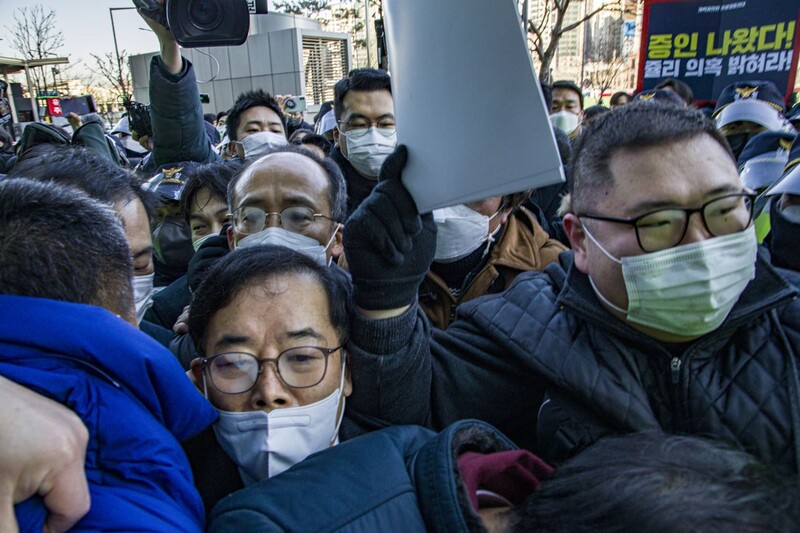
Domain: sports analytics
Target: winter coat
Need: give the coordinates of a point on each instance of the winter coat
(524, 246)
(403, 478)
(134, 399)
(546, 364)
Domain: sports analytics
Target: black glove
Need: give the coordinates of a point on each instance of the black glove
(389, 245)
(205, 257)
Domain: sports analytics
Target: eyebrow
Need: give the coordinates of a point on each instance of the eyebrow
(230, 340)
(304, 334)
(259, 123)
(661, 204)
(365, 117)
(196, 216)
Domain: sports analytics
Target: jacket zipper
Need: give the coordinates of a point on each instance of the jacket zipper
(675, 369)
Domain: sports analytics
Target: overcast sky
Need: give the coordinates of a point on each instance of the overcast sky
(86, 26)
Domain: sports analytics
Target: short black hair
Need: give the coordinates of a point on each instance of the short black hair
(338, 189)
(359, 79)
(243, 268)
(315, 140)
(57, 243)
(593, 111)
(567, 84)
(214, 177)
(680, 87)
(250, 99)
(658, 482)
(84, 169)
(636, 125)
(222, 114)
(616, 96)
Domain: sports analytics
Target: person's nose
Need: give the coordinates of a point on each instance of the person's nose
(272, 220)
(270, 391)
(696, 230)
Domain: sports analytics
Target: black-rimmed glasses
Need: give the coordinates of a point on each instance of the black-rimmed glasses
(665, 228)
(299, 368)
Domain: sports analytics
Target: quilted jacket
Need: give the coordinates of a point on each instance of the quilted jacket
(546, 354)
(524, 247)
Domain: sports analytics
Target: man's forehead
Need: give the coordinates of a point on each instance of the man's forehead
(368, 103)
(259, 113)
(564, 93)
(681, 173)
(289, 170)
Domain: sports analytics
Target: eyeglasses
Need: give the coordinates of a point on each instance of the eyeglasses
(665, 228)
(299, 368)
(298, 219)
(359, 127)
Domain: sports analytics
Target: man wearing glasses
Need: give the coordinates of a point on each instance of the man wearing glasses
(365, 132)
(664, 317)
(289, 198)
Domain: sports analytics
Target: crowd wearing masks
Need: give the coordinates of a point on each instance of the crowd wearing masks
(244, 323)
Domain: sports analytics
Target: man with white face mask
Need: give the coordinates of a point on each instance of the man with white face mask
(290, 198)
(270, 326)
(481, 247)
(664, 317)
(111, 184)
(566, 111)
(365, 132)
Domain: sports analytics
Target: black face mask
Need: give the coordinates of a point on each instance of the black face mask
(296, 122)
(784, 239)
(172, 248)
(737, 142)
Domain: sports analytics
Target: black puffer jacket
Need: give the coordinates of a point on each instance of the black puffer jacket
(547, 335)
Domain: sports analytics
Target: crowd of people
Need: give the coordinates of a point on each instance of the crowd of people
(243, 323)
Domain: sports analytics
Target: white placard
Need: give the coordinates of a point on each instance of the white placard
(467, 102)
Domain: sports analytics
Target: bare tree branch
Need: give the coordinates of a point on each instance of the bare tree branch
(34, 36)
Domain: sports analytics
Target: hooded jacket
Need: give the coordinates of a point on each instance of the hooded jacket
(546, 364)
(132, 396)
(524, 246)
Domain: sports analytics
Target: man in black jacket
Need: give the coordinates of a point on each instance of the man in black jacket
(665, 316)
(365, 132)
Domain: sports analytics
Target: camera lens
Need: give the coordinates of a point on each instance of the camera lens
(290, 104)
(205, 15)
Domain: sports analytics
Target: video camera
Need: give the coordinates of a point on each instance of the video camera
(138, 117)
(196, 23)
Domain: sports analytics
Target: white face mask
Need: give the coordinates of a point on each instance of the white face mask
(266, 444)
(299, 243)
(368, 152)
(199, 242)
(262, 143)
(686, 290)
(565, 121)
(460, 230)
(142, 295)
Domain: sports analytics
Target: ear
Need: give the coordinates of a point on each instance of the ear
(336, 135)
(348, 382)
(505, 214)
(195, 374)
(577, 238)
(231, 241)
(337, 248)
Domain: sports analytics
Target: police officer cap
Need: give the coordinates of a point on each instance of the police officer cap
(167, 184)
(660, 95)
(763, 159)
(790, 181)
(759, 102)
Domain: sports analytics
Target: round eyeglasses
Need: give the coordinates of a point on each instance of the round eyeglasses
(665, 228)
(298, 219)
(299, 368)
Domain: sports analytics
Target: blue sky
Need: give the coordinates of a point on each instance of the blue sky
(86, 27)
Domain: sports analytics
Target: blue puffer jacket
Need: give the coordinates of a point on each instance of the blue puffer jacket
(134, 399)
(404, 478)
